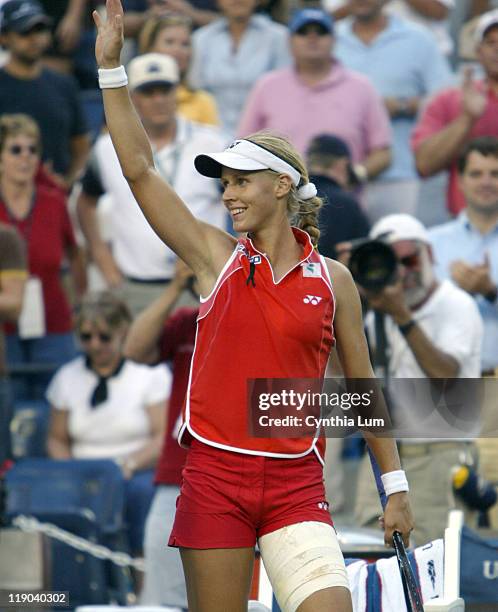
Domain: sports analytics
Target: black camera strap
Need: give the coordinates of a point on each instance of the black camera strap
(381, 357)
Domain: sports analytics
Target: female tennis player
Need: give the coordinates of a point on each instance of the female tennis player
(269, 311)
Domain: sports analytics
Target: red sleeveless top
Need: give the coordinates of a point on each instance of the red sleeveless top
(251, 327)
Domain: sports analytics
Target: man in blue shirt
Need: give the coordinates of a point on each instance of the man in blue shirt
(405, 65)
(466, 251)
(231, 53)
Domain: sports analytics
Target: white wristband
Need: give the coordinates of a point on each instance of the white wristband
(394, 482)
(112, 78)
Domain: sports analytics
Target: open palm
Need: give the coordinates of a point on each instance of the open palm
(109, 35)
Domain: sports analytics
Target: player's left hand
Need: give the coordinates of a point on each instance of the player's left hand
(397, 517)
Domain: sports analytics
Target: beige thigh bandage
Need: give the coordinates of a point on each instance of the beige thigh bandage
(301, 559)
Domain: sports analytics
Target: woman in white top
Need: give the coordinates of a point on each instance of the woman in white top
(104, 406)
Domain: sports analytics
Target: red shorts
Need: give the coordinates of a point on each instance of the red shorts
(228, 499)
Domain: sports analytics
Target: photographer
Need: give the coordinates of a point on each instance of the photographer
(432, 330)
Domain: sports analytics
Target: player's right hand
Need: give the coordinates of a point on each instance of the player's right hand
(110, 35)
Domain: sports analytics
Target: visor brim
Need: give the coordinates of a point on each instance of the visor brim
(213, 164)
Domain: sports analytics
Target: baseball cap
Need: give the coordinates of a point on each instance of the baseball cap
(393, 228)
(311, 15)
(485, 22)
(22, 15)
(327, 144)
(152, 69)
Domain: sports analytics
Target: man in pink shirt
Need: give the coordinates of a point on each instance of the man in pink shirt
(318, 95)
(457, 115)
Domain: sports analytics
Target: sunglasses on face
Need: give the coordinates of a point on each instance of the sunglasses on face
(38, 28)
(102, 336)
(410, 261)
(19, 149)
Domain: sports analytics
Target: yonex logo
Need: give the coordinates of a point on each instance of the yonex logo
(323, 505)
(312, 299)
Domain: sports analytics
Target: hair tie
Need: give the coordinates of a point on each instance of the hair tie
(307, 191)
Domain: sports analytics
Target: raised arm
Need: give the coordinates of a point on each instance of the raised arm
(203, 248)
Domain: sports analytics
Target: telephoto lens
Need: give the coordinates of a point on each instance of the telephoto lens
(373, 264)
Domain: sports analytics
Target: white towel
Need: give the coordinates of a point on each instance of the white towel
(429, 560)
(391, 587)
(357, 576)
(430, 569)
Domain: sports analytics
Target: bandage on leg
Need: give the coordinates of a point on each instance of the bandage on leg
(301, 559)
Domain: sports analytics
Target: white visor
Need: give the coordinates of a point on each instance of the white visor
(244, 155)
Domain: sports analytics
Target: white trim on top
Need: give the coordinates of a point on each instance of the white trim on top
(245, 451)
(202, 299)
(330, 285)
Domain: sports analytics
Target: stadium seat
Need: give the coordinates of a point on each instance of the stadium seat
(71, 487)
(48, 485)
(81, 574)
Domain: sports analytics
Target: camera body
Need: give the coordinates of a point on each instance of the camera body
(373, 263)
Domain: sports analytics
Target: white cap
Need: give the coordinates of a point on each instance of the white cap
(394, 228)
(152, 69)
(485, 22)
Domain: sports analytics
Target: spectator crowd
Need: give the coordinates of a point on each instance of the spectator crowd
(393, 104)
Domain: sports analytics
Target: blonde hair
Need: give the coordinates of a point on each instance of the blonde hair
(155, 25)
(302, 213)
(103, 306)
(19, 124)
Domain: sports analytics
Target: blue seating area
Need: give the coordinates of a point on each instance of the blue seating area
(84, 576)
(95, 486)
(85, 497)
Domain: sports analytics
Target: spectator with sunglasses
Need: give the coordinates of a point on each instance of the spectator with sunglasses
(433, 330)
(47, 96)
(106, 406)
(39, 214)
(319, 95)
